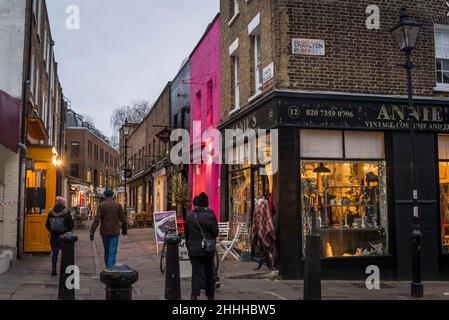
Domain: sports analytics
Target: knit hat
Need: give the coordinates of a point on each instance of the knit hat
(61, 200)
(108, 193)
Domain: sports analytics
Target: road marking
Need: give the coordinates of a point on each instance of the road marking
(276, 295)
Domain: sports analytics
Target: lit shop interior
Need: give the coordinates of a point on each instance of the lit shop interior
(246, 185)
(344, 192)
(443, 155)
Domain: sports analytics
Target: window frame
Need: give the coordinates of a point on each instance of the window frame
(443, 29)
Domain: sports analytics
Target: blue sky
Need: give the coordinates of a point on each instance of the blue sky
(124, 50)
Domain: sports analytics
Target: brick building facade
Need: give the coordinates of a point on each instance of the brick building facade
(321, 75)
(147, 158)
(92, 164)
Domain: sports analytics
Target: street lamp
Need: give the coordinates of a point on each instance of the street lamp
(406, 33)
(126, 128)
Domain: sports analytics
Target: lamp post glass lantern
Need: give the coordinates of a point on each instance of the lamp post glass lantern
(406, 33)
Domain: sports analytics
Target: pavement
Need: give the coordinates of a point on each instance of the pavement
(29, 278)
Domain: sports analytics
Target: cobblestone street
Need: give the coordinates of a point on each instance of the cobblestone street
(30, 278)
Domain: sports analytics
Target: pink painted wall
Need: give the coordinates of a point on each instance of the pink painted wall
(205, 107)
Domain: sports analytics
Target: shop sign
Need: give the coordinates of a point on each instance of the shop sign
(308, 47)
(163, 223)
(367, 115)
(268, 73)
(82, 199)
(164, 135)
(262, 118)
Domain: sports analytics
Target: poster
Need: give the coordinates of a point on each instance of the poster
(163, 222)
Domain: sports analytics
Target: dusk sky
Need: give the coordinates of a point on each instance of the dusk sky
(124, 50)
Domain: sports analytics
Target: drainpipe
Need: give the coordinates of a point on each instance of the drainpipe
(21, 213)
(23, 133)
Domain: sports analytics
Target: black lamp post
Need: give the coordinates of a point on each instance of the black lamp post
(126, 128)
(406, 33)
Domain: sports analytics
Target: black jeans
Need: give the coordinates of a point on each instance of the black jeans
(55, 247)
(199, 265)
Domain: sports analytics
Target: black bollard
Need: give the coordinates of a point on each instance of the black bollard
(312, 268)
(119, 280)
(172, 273)
(67, 259)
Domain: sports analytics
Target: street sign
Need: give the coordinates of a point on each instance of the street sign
(164, 135)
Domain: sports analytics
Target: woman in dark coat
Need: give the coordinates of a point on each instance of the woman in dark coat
(203, 217)
(59, 221)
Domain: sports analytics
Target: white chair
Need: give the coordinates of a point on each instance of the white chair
(223, 235)
(228, 246)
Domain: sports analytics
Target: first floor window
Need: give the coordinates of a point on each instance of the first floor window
(258, 63)
(442, 55)
(344, 198)
(236, 82)
(75, 170)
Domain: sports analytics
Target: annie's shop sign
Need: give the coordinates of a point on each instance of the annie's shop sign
(369, 115)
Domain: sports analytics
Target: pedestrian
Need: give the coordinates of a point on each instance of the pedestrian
(201, 232)
(59, 221)
(109, 214)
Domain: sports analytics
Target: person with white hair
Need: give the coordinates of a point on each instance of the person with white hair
(59, 221)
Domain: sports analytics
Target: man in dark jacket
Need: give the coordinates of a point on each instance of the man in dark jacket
(110, 214)
(59, 221)
(201, 221)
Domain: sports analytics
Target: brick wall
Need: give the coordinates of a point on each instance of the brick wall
(144, 138)
(357, 60)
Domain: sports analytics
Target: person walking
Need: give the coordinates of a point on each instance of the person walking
(201, 232)
(109, 214)
(59, 221)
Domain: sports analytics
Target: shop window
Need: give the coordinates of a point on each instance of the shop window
(345, 199)
(246, 185)
(101, 180)
(443, 155)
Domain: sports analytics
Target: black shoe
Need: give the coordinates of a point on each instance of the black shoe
(217, 284)
(54, 274)
(194, 297)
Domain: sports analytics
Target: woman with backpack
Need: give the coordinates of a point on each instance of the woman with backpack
(201, 233)
(59, 221)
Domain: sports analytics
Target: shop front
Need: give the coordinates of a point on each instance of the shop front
(343, 165)
(40, 197)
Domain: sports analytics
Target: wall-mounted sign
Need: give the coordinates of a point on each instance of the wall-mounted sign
(309, 47)
(366, 115)
(268, 73)
(164, 135)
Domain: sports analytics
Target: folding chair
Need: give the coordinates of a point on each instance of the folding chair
(223, 235)
(242, 230)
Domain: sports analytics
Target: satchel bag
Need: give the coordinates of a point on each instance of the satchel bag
(209, 246)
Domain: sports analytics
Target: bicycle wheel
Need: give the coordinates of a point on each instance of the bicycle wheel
(163, 261)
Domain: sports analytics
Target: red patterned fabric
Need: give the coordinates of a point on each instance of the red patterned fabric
(263, 227)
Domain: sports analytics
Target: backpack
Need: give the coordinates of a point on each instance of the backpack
(57, 225)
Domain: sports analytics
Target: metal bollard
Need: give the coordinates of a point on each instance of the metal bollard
(119, 280)
(67, 259)
(172, 273)
(312, 268)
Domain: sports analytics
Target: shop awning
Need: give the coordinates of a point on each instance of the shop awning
(36, 129)
(9, 121)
